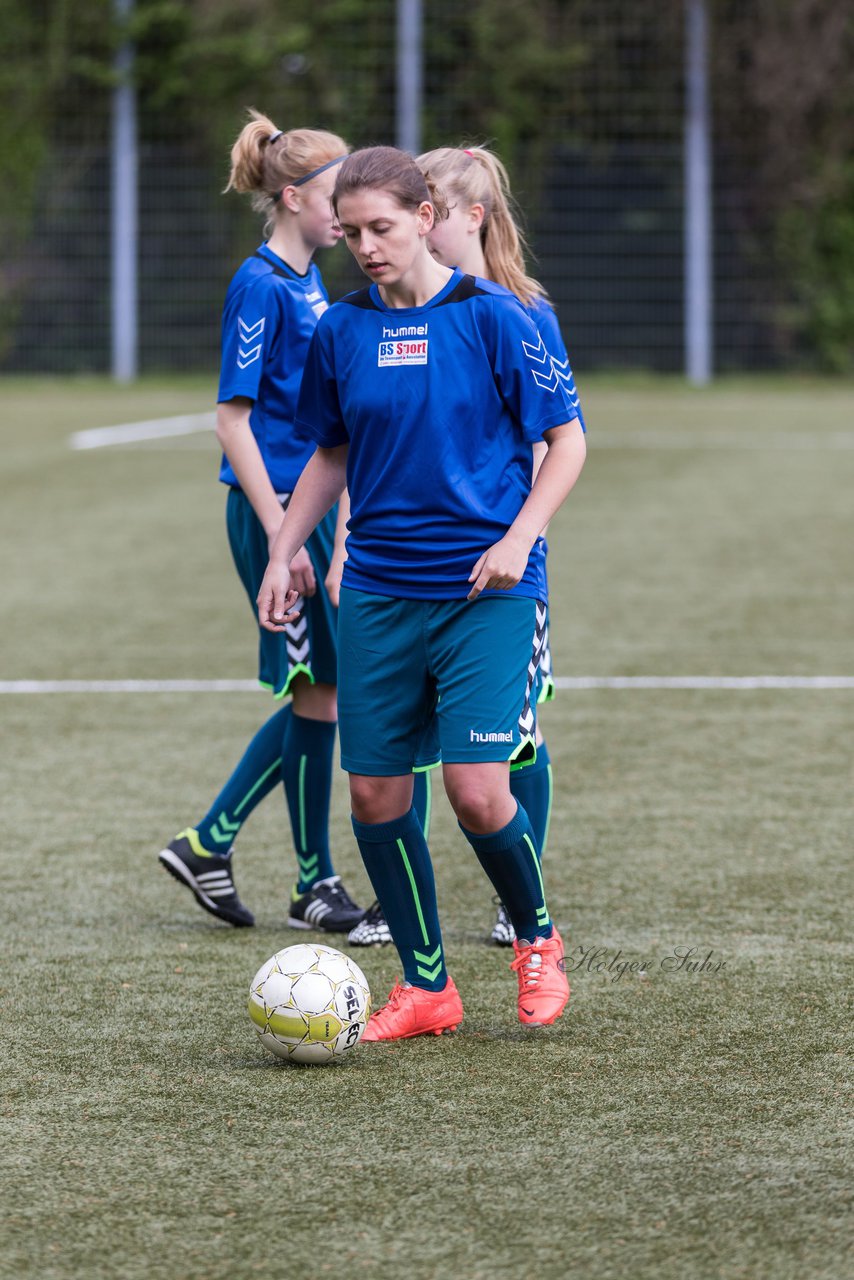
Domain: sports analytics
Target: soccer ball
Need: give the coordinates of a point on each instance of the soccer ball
(309, 1003)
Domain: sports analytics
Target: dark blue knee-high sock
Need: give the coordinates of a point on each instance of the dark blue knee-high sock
(307, 775)
(509, 858)
(422, 798)
(532, 787)
(398, 864)
(258, 772)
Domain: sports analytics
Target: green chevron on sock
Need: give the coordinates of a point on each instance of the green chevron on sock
(223, 831)
(398, 864)
(424, 960)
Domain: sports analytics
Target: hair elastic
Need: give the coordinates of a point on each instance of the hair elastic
(274, 137)
(321, 169)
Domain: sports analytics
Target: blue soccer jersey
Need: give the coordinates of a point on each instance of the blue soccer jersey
(543, 315)
(269, 318)
(440, 405)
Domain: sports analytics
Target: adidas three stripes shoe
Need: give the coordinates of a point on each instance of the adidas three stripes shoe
(326, 907)
(208, 877)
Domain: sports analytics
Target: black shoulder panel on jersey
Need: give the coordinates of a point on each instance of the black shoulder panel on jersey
(277, 270)
(467, 288)
(361, 298)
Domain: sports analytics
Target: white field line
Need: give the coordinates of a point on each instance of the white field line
(130, 432)
(799, 441)
(765, 442)
(563, 682)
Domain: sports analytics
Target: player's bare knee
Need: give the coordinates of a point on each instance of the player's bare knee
(481, 804)
(374, 800)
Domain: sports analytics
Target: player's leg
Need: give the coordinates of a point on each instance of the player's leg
(531, 783)
(200, 856)
(531, 786)
(482, 657)
(295, 747)
(422, 798)
(385, 685)
(318, 899)
(372, 930)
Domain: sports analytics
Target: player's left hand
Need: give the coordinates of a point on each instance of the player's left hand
(499, 568)
(277, 600)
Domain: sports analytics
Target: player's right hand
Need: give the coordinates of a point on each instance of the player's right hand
(332, 581)
(302, 573)
(277, 600)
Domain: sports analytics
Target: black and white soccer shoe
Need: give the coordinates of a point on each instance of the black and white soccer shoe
(372, 930)
(208, 877)
(326, 907)
(503, 934)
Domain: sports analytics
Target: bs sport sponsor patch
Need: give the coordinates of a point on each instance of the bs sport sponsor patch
(403, 344)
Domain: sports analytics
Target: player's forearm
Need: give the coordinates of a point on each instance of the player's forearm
(560, 468)
(318, 489)
(240, 447)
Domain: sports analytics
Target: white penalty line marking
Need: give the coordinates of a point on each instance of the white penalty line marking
(806, 441)
(772, 442)
(562, 682)
(131, 432)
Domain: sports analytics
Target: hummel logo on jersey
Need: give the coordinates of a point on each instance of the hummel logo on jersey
(544, 371)
(405, 331)
(475, 736)
(247, 354)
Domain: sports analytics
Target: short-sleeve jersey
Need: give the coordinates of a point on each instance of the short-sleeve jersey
(268, 320)
(439, 406)
(543, 315)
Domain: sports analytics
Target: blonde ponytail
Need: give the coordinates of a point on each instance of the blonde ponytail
(475, 175)
(265, 160)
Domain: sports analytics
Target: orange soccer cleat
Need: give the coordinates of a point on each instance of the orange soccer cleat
(543, 988)
(412, 1011)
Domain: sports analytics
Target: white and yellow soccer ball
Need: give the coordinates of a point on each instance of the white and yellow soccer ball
(309, 1003)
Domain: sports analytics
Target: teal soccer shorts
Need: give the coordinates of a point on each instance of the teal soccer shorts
(420, 679)
(307, 645)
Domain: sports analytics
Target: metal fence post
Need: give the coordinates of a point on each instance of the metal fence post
(698, 198)
(123, 214)
(409, 75)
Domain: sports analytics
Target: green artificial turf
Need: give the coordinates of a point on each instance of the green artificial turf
(673, 1124)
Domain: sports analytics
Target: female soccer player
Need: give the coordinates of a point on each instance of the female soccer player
(481, 236)
(271, 310)
(424, 393)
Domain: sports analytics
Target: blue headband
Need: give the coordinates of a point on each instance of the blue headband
(308, 177)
